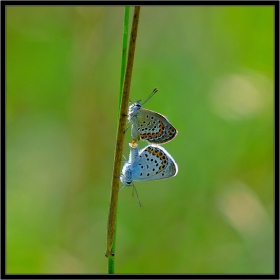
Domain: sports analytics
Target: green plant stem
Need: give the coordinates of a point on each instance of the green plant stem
(124, 52)
(120, 138)
(111, 259)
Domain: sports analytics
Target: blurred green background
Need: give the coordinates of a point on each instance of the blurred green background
(213, 66)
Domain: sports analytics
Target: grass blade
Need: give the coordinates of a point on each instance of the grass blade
(112, 217)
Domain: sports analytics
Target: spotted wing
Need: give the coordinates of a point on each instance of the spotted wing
(154, 127)
(155, 163)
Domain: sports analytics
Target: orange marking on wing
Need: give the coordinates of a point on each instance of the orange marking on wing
(147, 135)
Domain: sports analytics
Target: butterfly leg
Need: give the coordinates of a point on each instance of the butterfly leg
(127, 128)
(136, 194)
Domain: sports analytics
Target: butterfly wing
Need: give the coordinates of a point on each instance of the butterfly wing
(153, 127)
(154, 163)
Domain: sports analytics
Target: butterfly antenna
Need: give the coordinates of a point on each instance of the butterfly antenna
(121, 188)
(151, 95)
(136, 194)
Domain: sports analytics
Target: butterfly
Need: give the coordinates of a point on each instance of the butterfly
(151, 163)
(149, 125)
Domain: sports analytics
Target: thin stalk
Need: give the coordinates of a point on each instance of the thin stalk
(111, 259)
(124, 52)
(111, 227)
